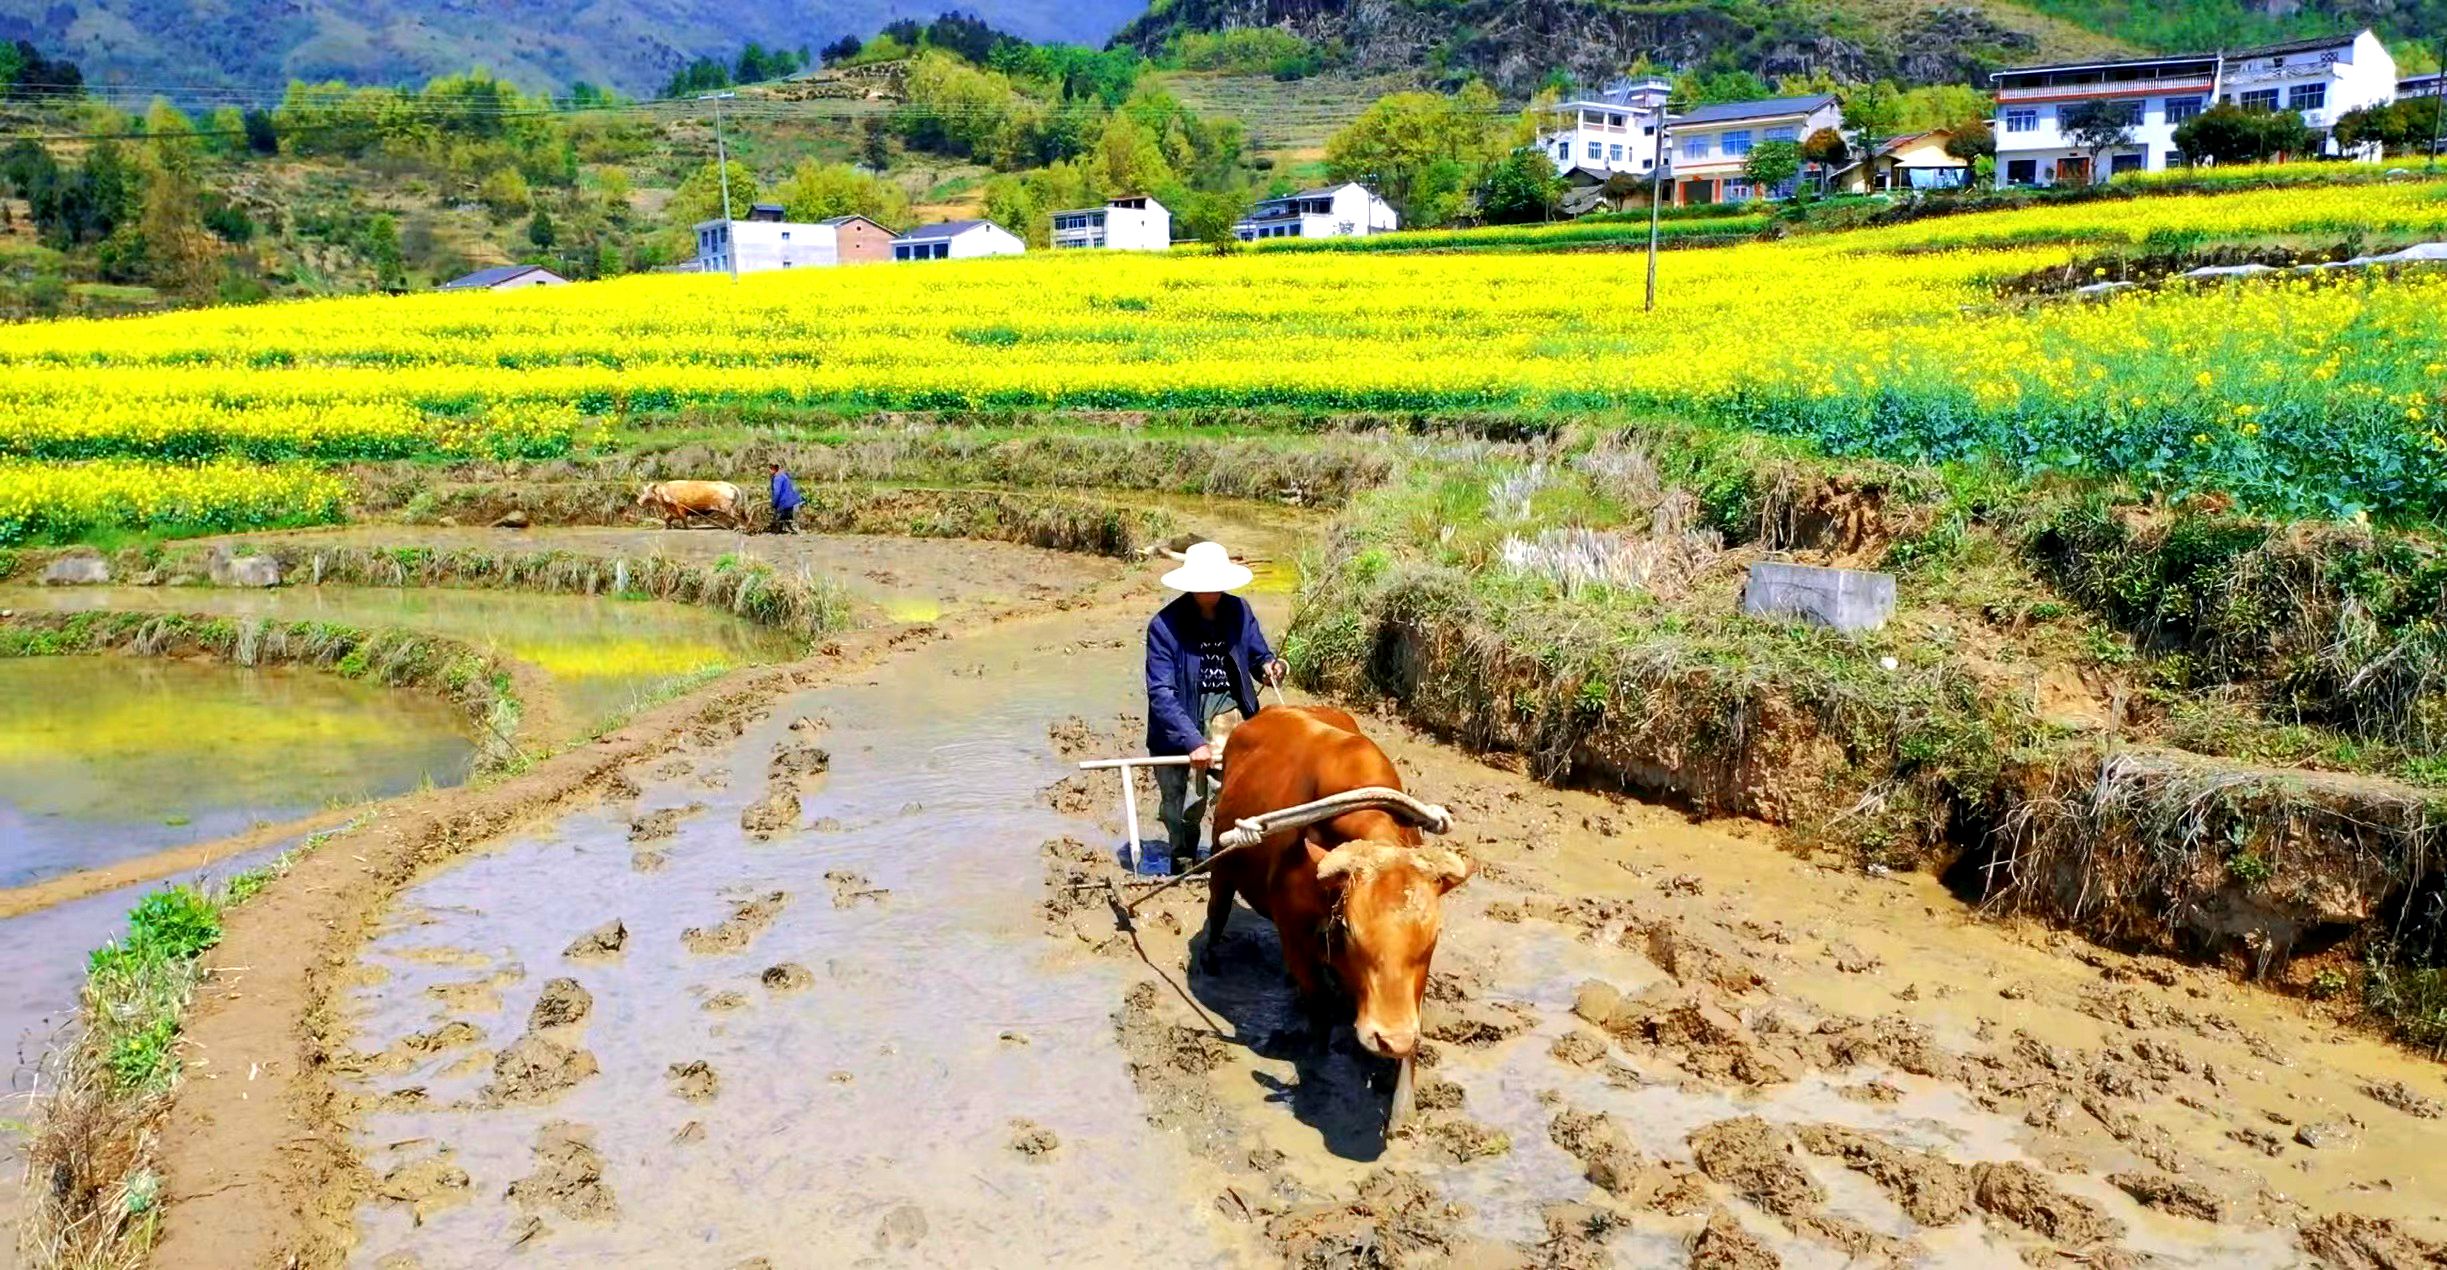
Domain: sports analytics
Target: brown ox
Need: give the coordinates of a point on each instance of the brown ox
(678, 502)
(1357, 900)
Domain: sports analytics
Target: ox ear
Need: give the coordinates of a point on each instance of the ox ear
(1445, 867)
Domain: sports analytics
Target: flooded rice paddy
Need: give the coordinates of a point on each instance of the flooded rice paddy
(865, 990)
(104, 759)
(909, 579)
(843, 1011)
(601, 654)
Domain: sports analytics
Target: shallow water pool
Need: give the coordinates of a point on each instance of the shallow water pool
(105, 759)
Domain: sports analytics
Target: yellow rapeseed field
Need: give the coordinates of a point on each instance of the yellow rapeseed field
(2315, 392)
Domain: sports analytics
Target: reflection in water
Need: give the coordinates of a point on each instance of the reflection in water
(602, 654)
(878, 1099)
(108, 758)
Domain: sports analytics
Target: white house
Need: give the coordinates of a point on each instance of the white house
(957, 240)
(1133, 222)
(2322, 79)
(1709, 146)
(766, 241)
(2318, 79)
(2421, 85)
(505, 278)
(1614, 131)
(1339, 211)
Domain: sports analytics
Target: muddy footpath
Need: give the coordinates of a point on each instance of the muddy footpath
(844, 987)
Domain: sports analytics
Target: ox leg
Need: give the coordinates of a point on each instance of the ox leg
(1219, 914)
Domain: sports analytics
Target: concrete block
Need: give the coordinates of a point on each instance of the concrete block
(76, 571)
(1846, 599)
(229, 569)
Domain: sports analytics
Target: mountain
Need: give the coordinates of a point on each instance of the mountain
(1517, 43)
(193, 47)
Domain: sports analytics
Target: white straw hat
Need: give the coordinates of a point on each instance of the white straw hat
(1206, 566)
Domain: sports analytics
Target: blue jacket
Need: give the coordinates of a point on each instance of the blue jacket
(785, 494)
(1173, 725)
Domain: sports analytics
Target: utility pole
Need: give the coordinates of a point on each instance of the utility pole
(1656, 212)
(2438, 103)
(722, 178)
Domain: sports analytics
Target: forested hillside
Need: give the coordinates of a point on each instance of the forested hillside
(633, 46)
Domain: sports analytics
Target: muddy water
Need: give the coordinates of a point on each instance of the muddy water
(870, 1112)
(911, 579)
(601, 654)
(108, 758)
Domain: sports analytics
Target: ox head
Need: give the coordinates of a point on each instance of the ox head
(1390, 908)
(647, 495)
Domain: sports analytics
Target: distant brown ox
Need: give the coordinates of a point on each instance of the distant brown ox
(1357, 900)
(679, 502)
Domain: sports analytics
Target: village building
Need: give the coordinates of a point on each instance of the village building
(1614, 131)
(1917, 162)
(505, 278)
(767, 241)
(1709, 146)
(957, 240)
(1338, 211)
(2319, 79)
(1133, 222)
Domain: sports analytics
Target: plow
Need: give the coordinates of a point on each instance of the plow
(1246, 833)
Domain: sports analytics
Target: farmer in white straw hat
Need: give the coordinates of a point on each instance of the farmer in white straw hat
(1205, 655)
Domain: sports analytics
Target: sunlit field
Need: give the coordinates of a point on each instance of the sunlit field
(2307, 393)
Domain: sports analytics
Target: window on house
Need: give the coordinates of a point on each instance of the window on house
(1614, 154)
(2307, 97)
(1784, 134)
(2260, 99)
(1594, 150)
(1614, 121)
(2180, 109)
(1694, 147)
(1648, 130)
(2130, 112)
(2021, 171)
(2127, 163)
(1737, 143)
(1737, 191)
(2022, 121)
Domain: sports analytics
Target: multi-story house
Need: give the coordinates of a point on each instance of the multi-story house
(1708, 147)
(2321, 79)
(1335, 211)
(1133, 222)
(766, 241)
(1614, 131)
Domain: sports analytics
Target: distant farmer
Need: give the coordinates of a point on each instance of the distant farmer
(785, 501)
(1205, 655)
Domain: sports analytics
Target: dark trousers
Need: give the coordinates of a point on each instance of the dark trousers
(1186, 793)
(784, 519)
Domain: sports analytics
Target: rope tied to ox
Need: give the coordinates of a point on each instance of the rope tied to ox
(1429, 817)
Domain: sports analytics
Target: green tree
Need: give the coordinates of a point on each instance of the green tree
(262, 135)
(1521, 187)
(1621, 186)
(820, 191)
(171, 137)
(1208, 218)
(1873, 114)
(382, 247)
(505, 193)
(874, 143)
(540, 230)
(1771, 164)
(1421, 151)
(699, 197)
(2095, 127)
(2230, 134)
